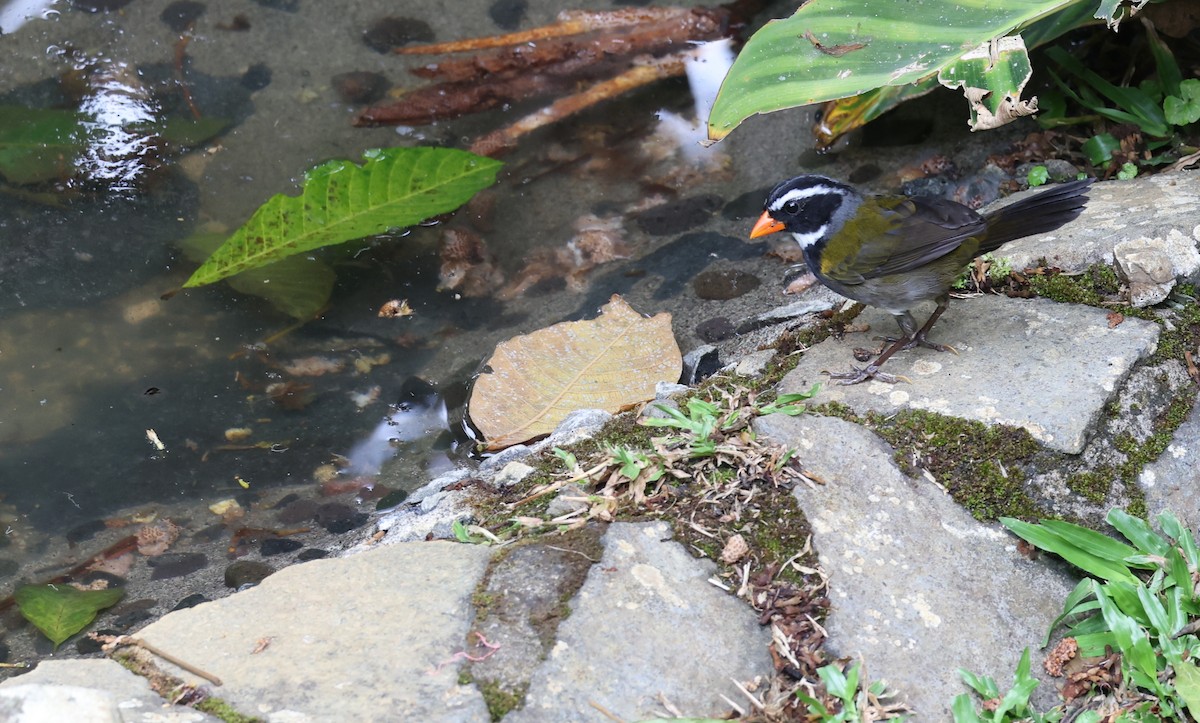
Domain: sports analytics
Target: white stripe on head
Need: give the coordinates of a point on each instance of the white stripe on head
(808, 239)
(800, 194)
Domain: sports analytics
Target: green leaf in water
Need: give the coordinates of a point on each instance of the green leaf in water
(341, 201)
(39, 144)
(60, 611)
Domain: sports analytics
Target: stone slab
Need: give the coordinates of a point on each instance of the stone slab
(646, 623)
(368, 637)
(1172, 482)
(88, 690)
(919, 588)
(1032, 363)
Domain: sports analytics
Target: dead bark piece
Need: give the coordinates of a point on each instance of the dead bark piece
(555, 66)
(569, 22)
(504, 139)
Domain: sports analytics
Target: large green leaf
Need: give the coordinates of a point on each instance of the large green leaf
(838, 48)
(341, 201)
(60, 611)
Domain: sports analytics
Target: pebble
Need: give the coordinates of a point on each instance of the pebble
(99, 6)
(256, 77)
(190, 601)
(715, 329)
(678, 216)
(8, 567)
(337, 518)
(246, 572)
(359, 86)
(312, 553)
(279, 546)
(176, 564)
(724, 284)
(85, 531)
(181, 15)
(298, 511)
(391, 32)
(507, 14)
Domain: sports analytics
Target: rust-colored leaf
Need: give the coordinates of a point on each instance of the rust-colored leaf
(611, 362)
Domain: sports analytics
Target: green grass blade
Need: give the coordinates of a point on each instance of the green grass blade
(1137, 531)
(1048, 540)
(341, 201)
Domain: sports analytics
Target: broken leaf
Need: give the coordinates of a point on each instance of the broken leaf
(610, 362)
(341, 201)
(992, 77)
(60, 611)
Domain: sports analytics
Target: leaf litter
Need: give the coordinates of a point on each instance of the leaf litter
(728, 494)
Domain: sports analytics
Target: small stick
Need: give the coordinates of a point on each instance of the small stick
(111, 641)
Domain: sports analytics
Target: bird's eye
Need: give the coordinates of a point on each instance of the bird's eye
(791, 207)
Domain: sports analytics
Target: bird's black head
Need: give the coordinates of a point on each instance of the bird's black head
(811, 207)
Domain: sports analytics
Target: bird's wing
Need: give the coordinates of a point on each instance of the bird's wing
(907, 233)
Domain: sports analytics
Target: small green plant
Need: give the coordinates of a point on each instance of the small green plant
(1139, 602)
(1037, 176)
(705, 418)
(1011, 706)
(844, 686)
(1128, 172)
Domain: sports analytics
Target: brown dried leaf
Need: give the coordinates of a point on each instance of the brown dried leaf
(610, 362)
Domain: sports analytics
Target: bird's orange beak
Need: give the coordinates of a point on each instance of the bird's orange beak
(765, 225)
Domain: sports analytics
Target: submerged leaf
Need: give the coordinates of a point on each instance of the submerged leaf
(341, 201)
(39, 144)
(610, 362)
(60, 611)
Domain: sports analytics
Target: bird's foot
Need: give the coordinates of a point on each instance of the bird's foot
(858, 376)
(916, 341)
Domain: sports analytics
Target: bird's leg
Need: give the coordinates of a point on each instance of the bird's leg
(919, 339)
(912, 336)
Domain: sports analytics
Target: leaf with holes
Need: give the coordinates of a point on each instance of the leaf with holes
(534, 381)
(341, 201)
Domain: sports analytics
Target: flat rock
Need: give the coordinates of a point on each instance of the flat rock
(623, 644)
(919, 588)
(1172, 482)
(1157, 206)
(403, 610)
(91, 691)
(1032, 363)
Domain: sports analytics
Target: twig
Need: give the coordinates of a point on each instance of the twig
(577, 552)
(112, 641)
(605, 711)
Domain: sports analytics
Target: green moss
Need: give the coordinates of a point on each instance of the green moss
(981, 466)
(501, 702)
(1092, 486)
(224, 711)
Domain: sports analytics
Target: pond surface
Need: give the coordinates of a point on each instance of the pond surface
(116, 395)
(121, 401)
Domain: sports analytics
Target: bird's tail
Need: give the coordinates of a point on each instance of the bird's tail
(1039, 213)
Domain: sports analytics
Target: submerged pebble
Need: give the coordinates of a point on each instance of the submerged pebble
(85, 531)
(678, 216)
(391, 32)
(715, 329)
(8, 567)
(279, 546)
(190, 601)
(297, 511)
(359, 86)
(256, 77)
(312, 553)
(508, 14)
(246, 572)
(179, 16)
(724, 284)
(176, 564)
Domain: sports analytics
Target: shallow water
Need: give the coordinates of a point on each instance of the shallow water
(97, 370)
